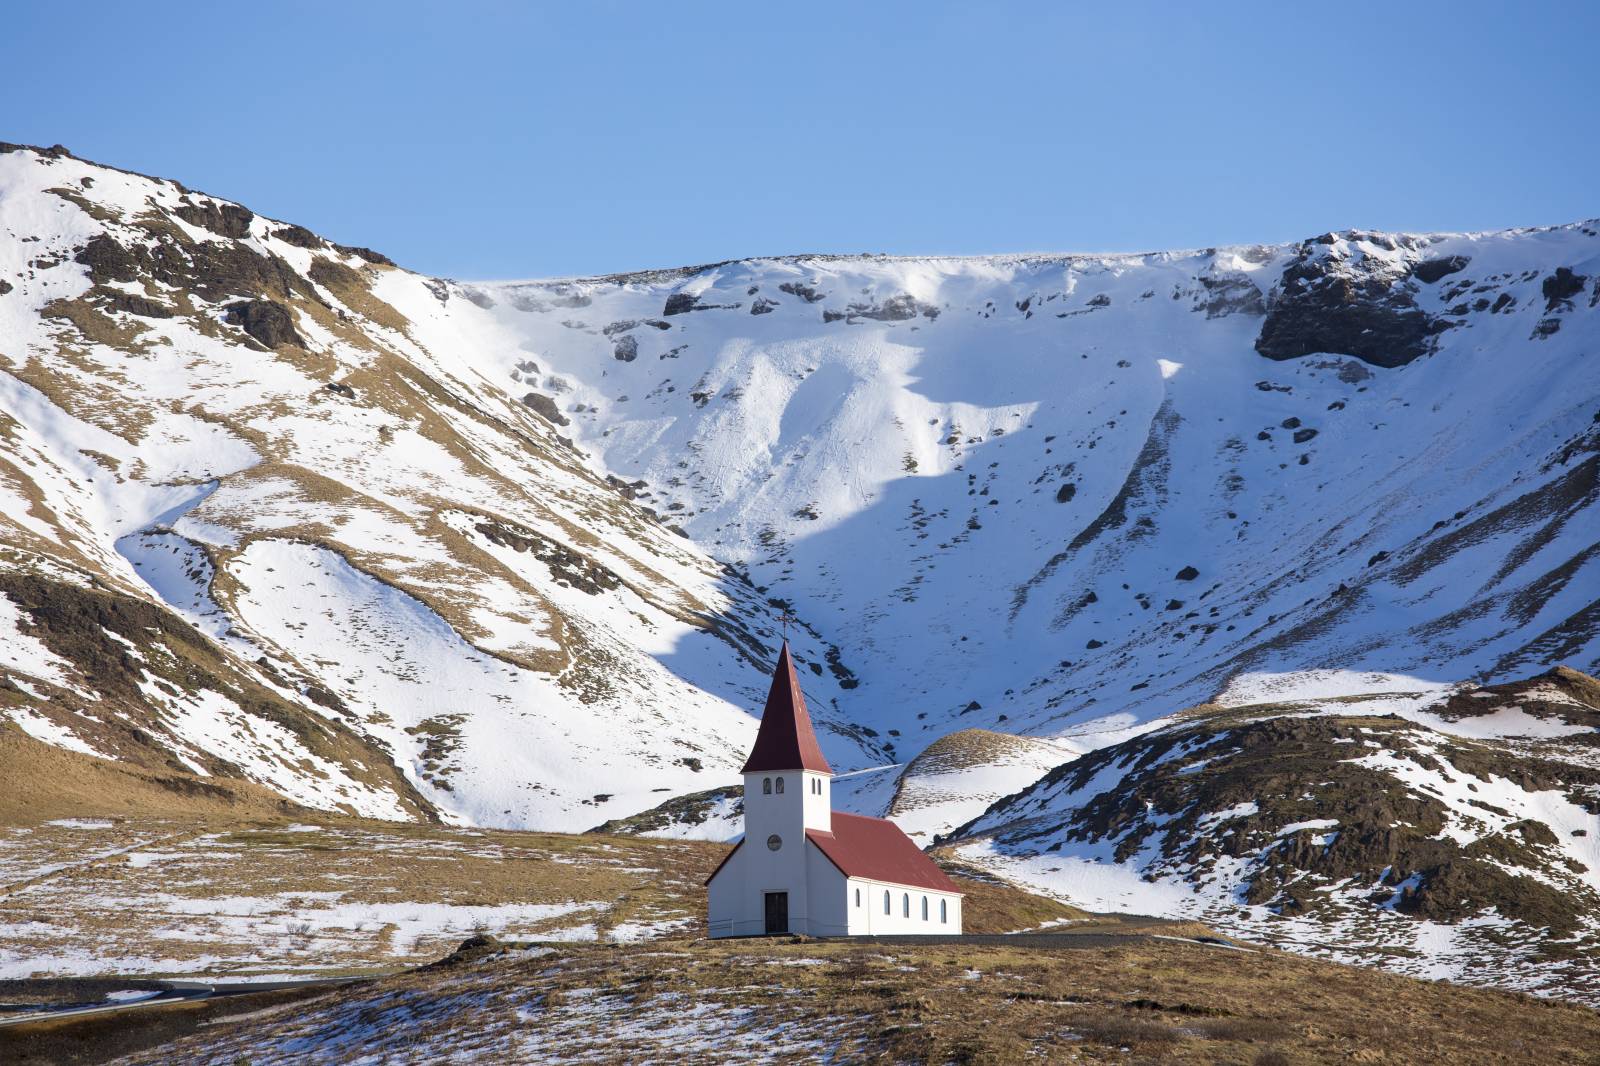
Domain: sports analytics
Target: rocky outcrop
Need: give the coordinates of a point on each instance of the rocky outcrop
(226, 220)
(1559, 288)
(375, 258)
(682, 812)
(568, 567)
(298, 236)
(680, 303)
(212, 270)
(545, 408)
(133, 304)
(808, 293)
(1335, 297)
(1230, 294)
(1431, 270)
(898, 308)
(270, 323)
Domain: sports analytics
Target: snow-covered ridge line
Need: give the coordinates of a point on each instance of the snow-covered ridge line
(665, 275)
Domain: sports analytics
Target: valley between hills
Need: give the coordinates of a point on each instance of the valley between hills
(348, 613)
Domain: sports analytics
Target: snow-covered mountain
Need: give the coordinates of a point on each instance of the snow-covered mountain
(258, 520)
(512, 553)
(1064, 494)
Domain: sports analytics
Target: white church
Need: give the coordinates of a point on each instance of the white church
(800, 867)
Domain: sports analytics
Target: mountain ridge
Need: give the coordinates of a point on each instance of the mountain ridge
(275, 510)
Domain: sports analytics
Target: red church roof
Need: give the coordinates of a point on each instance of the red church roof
(785, 740)
(876, 849)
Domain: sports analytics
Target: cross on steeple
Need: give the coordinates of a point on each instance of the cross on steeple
(785, 617)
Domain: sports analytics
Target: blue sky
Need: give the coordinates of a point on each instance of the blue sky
(483, 140)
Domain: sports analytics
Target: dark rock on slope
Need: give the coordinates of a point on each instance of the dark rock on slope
(228, 220)
(1559, 288)
(1431, 270)
(268, 322)
(545, 407)
(1344, 303)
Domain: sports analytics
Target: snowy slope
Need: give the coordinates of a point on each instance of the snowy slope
(1071, 490)
(525, 540)
(211, 423)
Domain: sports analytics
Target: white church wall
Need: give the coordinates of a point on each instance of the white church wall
(825, 895)
(725, 903)
(817, 797)
(736, 898)
(806, 799)
(904, 910)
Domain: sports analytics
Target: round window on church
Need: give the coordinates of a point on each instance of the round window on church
(774, 842)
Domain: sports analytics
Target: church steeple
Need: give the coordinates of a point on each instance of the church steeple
(785, 740)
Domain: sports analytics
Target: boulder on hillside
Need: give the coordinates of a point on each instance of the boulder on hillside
(545, 408)
(269, 322)
(1559, 288)
(1431, 270)
(136, 305)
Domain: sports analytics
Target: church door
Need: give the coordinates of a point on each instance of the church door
(777, 912)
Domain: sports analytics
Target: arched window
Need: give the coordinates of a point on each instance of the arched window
(766, 786)
(858, 897)
(944, 912)
(905, 904)
(924, 908)
(886, 901)
(780, 786)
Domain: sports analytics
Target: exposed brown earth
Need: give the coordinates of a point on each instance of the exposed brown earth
(801, 1001)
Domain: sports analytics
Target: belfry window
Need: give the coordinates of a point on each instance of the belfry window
(780, 786)
(766, 786)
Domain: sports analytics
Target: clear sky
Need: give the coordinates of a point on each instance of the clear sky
(489, 140)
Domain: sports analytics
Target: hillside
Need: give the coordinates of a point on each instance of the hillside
(252, 527)
(289, 531)
(1453, 837)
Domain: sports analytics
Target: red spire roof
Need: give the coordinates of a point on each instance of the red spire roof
(785, 740)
